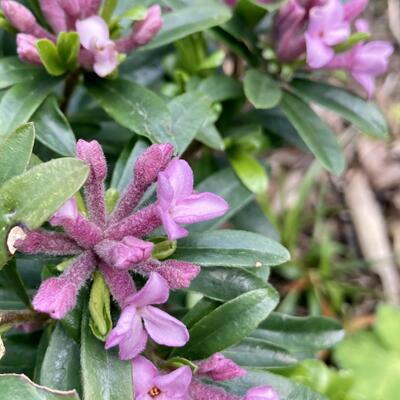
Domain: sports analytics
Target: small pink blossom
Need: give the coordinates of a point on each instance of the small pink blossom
(149, 384)
(26, 49)
(262, 393)
(140, 319)
(95, 37)
(177, 204)
(220, 368)
(327, 27)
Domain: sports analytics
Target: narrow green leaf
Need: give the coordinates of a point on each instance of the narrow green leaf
(231, 248)
(224, 283)
(53, 128)
(316, 134)
(228, 324)
(15, 152)
(202, 308)
(22, 100)
(188, 20)
(31, 198)
(61, 366)
(134, 107)
(210, 136)
(68, 45)
(189, 113)
(220, 88)
(364, 114)
(300, 334)
(104, 375)
(13, 71)
(20, 387)
(261, 90)
(50, 57)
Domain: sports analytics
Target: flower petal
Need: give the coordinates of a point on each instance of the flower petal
(163, 328)
(106, 60)
(144, 372)
(175, 384)
(367, 81)
(180, 177)
(318, 54)
(155, 291)
(174, 231)
(261, 393)
(199, 207)
(165, 192)
(92, 31)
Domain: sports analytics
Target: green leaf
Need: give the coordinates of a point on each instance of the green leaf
(210, 136)
(123, 171)
(228, 324)
(286, 388)
(202, 308)
(231, 248)
(53, 129)
(316, 134)
(224, 283)
(22, 100)
(61, 366)
(300, 334)
(387, 326)
(250, 171)
(20, 387)
(104, 375)
(220, 88)
(226, 184)
(261, 90)
(68, 45)
(13, 71)
(99, 308)
(15, 152)
(188, 20)
(352, 41)
(364, 114)
(50, 58)
(189, 113)
(135, 13)
(134, 107)
(36, 195)
(257, 353)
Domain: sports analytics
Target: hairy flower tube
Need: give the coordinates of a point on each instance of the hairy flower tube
(98, 51)
(118, 243)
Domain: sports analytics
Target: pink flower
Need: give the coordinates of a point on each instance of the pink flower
(26, 49)
(131, 335)
(261, 393)
(95, 37)
(177, 204)
(149, 384)
(327, 28)
(219, 368)
(365, 62)
(125, 253)
(353, 8)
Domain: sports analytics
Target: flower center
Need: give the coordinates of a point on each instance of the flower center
(154, 392)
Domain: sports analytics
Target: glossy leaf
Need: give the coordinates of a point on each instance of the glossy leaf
(287, 389)
(223, 283)
(225, 183)
(188, 20)
(22, 100)
(19, 387)
(11, 278)
(134, 107)
(104, 375)
(53, 129)
(68, 45)
(299, 334)
(33, 197)
(189, 113)
(16, 151)
(364, 114)
(61, 366)
(257, 353)
(13, 71)
(50, 57)
(220, 88)
(210, 136)
(228, 324)
(231, 248)
(315, 133)
(261, 90)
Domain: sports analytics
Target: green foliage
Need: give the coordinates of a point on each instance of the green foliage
(373, 357)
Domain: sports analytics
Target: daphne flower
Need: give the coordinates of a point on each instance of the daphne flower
(327, 28)
(139, 318)
(115, 243)
(177, 204)
(220, 368)
(149, 384)
(262, 393)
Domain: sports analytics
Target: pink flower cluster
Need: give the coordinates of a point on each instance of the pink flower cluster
(98, 51)
(180, 384)
(315, 27)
